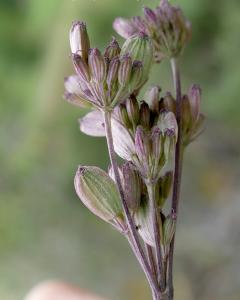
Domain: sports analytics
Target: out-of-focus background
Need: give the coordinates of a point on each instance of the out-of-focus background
(45, 232)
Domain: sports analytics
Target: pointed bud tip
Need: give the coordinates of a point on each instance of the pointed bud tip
(81, 170)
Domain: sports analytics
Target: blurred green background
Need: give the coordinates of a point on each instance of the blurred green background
(45, 232)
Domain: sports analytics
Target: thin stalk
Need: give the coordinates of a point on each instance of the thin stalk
(178, 167)
(131, 226)
(156, 228)
(151, 259)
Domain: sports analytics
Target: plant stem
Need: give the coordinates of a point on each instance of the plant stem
(178, 167)
(131, 226)
(156, 228)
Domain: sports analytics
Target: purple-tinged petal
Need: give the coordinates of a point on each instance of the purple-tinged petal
(93, 124)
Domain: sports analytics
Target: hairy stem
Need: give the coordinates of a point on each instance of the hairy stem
(178, 167)
(137, 247)
(156, 228)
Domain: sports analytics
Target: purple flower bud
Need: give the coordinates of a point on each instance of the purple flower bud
(79, 40)
(124, 71)
(133, 109)
(139, 23)
(150, 15)
(97, 65)
(167, 121)
(112, 75)
(187, 119)
(145, 115)
(142, 147)
(81, 67)
(112, 50)
(169, 103)
(93, 124)
(195, 101)
(124, 27)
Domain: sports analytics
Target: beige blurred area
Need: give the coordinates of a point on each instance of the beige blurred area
(45, 232)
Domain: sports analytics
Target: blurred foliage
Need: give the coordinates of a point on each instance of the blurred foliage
(45, 232)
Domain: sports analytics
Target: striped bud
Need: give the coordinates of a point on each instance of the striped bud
(150, 15)
(79, 40)
(132, 186)
(195, 101)
(112, 50)
(133, 109)
(97, 65)
(169, 228)
(99, 193)
(124, 71)
(112, 75)
(81, 67)
(145, 115)
(136, 76)
(169, 103)
(140, 48)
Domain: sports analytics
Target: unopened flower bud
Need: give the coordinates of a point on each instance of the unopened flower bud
(195, 101)
(99, 193)
(124, 27)
(139, 23)
(145, 115)
(124, 71)
(169, 228)
(132, 186)
(140, 48)
(165, 186)
(81, 67)
(143, 150)
(136, 76)
(186, 114)
(112, 49)
(124, 116)
(167, 121)
(112, 75)
(169, 103)
(133, 109)
(79, 40)
(150, 15)
(97, 65)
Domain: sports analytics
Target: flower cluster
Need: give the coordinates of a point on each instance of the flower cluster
(104, 80)
(149, 133)
(166, 25)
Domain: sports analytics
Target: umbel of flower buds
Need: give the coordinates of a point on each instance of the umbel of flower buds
(166, 25)
(104, 80)
(99, 194)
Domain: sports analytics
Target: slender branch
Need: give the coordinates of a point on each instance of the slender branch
(131, 226)
(151, 259)
(178, 167)
(156, 225)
